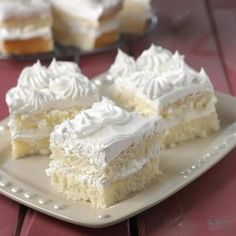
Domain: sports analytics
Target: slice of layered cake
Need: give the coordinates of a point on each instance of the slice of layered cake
(164, 85)
(25, 27)
(43, 98)
(104, 154)
(135, 16)
(86, 24)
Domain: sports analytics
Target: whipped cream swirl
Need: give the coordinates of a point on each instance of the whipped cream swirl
(122, 66)
(72, 86)
(34, 77)
(59, 68)
(153, 59)
(40, 88)
(91, 120)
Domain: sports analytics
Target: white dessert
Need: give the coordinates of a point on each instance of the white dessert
(86, 24)
(104, 154)
(43, 98)
(163, 84)
(25, 27)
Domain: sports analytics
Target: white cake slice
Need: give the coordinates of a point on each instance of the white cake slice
(104, 154)
(43, 98)
(162, 84)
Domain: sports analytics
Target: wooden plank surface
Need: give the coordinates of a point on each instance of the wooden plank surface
(9, 212)
(224, 17)
(37, 224)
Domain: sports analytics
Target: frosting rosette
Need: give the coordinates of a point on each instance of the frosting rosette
(91, 120)
(122, 66)
(60, 68)
(34, 77)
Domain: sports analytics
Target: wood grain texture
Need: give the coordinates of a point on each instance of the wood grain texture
(9, 212)
(37, 224)
(224, 22)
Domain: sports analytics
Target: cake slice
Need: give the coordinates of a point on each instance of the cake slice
(25, 27)
(164, 85)
(104, 154)
(43, 98)
(135, 16)
(86, 24)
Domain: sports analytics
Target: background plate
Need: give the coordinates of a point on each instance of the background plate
(25, 181)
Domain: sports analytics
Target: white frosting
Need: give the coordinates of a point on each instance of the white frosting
(103, 132)
(59, 68)
(123, 65)
(34, 77)
(153, 59)
(161, 77)
(14, 8)
(24, 33)
(87, 9)
(40, 88)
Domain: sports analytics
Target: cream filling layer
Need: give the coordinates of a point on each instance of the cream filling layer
(30, 135)
(24, 33)
(191, 115)
(80, 28)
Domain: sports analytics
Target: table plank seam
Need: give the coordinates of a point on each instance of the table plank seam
(215, 33)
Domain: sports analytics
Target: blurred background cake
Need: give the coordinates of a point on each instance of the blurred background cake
(86, 24)
(135, 16)
(25, 27)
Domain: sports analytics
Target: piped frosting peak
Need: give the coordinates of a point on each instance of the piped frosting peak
(123, 65)
(62, 67)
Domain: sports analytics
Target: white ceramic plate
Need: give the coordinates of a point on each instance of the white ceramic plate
(25, 181)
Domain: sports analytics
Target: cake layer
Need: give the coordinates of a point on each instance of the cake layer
(115, 192)
(26, 46)
(31, 131)
(196, 128)
(85, 41)
(22, 148)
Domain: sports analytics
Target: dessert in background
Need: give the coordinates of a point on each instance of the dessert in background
(160, 83)
(104, 154)
(135, 16)
(25, 27)
(86, 24)
(43, 98)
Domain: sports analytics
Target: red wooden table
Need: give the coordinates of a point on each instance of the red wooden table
(205, 31)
